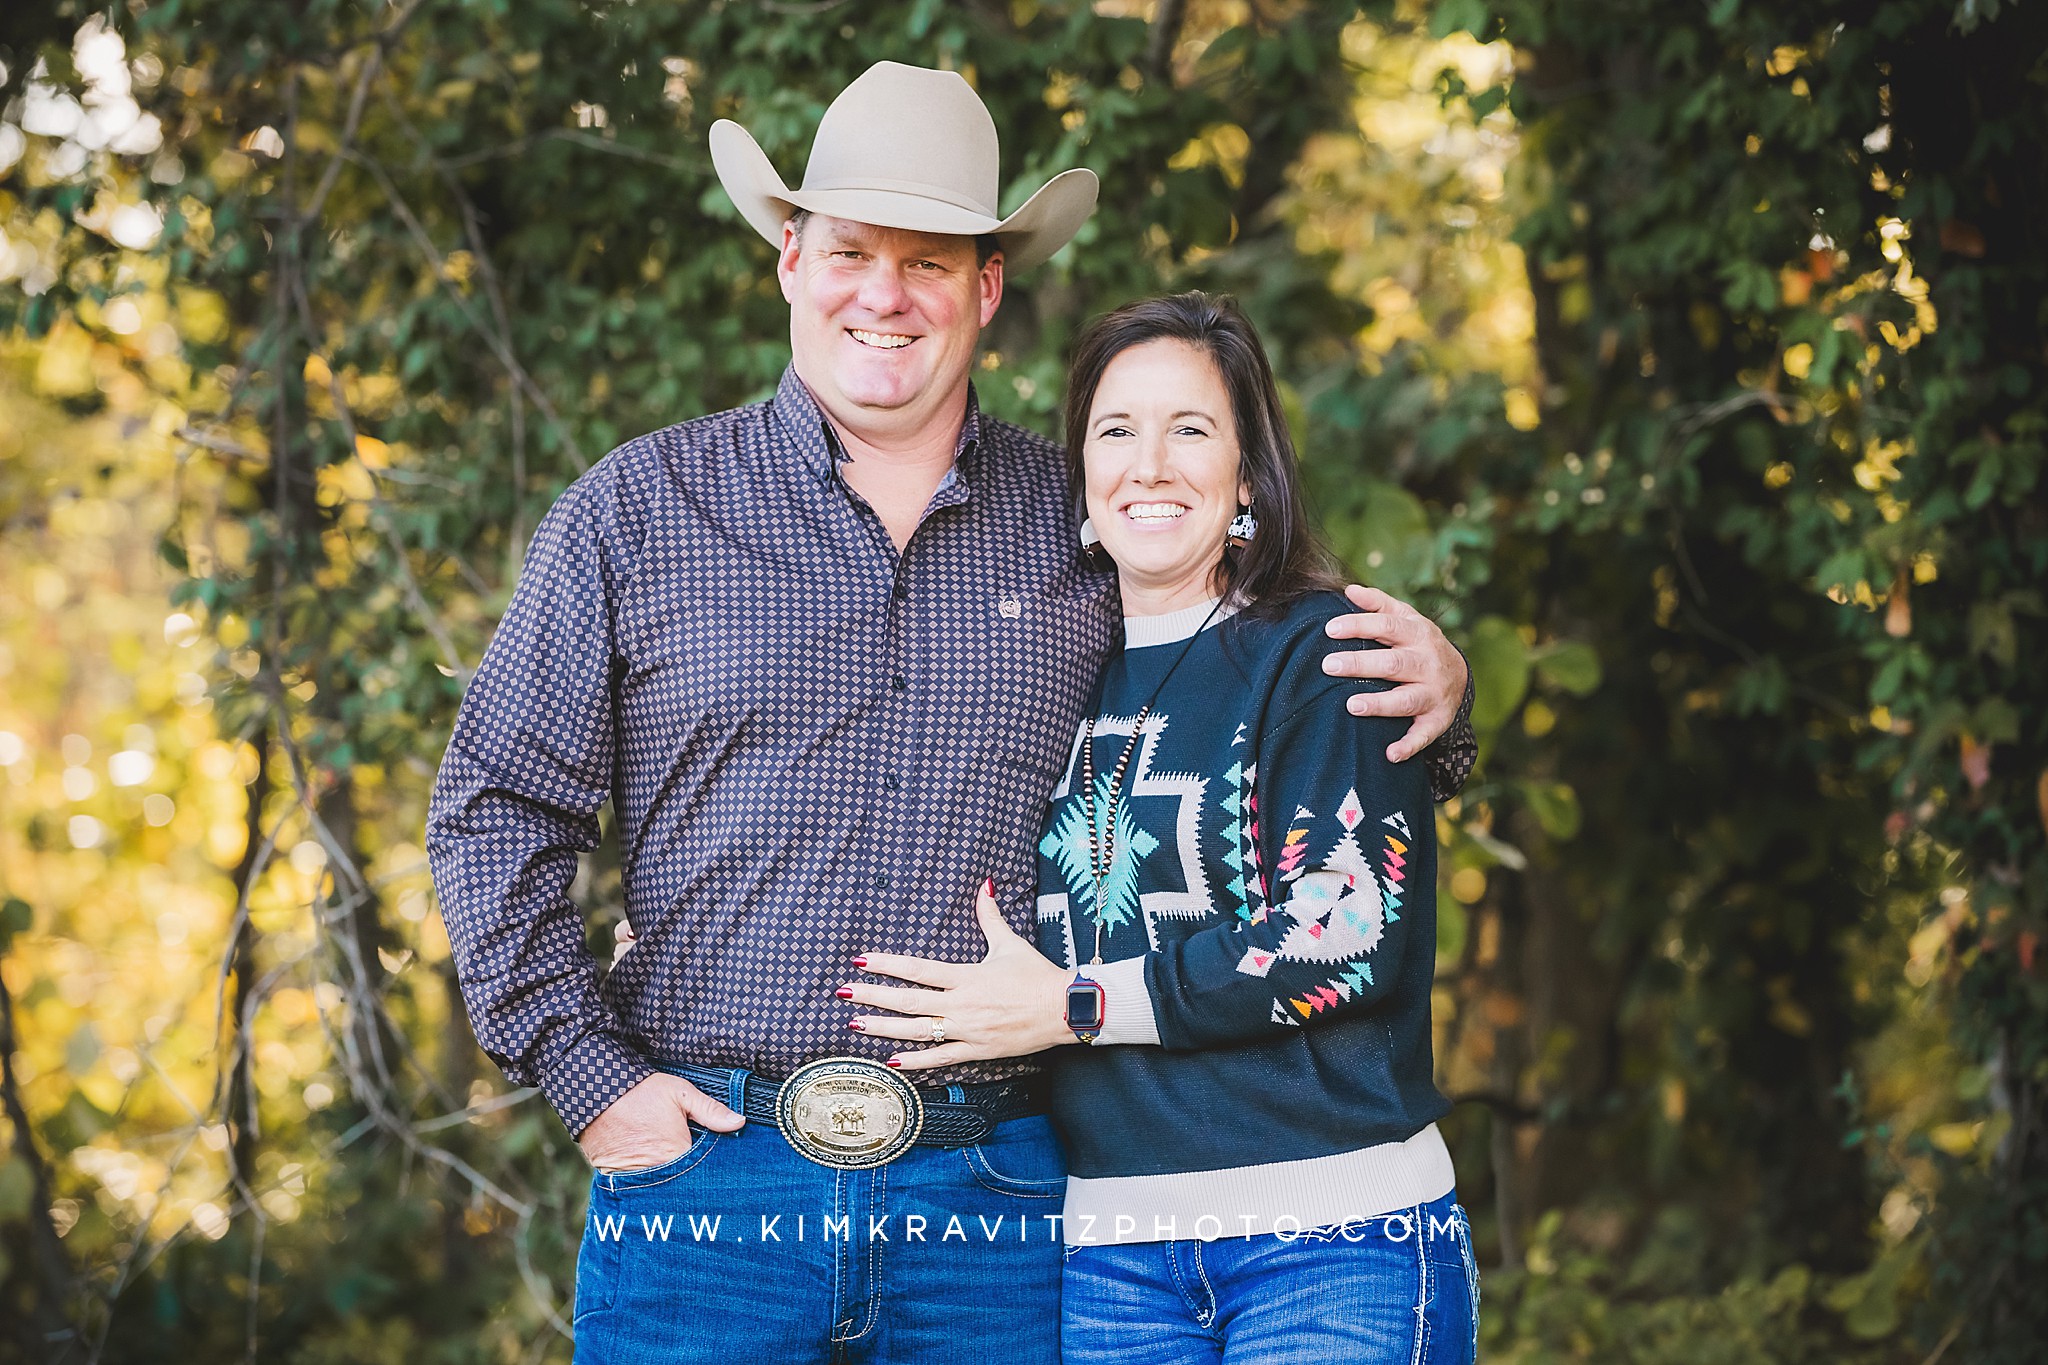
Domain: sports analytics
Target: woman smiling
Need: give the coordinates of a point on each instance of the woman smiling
(1236, 913)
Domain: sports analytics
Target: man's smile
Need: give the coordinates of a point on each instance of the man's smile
(881, 341)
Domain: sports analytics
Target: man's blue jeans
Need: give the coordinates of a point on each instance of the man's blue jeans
(742, 1250)
(1398, 1288)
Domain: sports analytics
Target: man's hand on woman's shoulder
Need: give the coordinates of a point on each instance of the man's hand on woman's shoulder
(1428, 671)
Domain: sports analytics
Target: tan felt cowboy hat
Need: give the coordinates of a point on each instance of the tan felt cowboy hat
(905, 147)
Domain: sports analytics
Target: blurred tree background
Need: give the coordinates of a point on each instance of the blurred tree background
(1686, 360)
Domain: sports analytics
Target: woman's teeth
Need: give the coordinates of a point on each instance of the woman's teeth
(1155, 511)
(880, 339)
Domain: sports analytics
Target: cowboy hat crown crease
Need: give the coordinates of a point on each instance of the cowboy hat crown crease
(893, 108)
(911, 148)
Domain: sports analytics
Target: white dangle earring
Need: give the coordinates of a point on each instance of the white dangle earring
(1242, 528)
(1091, 542)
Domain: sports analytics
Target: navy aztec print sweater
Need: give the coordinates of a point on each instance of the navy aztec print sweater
(1268, 943)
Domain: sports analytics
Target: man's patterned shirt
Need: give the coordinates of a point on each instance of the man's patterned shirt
(815, 746)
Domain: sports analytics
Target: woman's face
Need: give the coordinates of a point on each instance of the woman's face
(1162, 459)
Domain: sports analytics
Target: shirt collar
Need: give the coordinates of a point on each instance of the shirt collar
(811, 436)
(817, 444)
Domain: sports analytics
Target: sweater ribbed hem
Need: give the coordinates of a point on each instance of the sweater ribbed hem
(1250, 1201)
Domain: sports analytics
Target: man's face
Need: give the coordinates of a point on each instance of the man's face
(883, 322)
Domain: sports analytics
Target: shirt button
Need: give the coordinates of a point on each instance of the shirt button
(902, 593)
(891, 782)
(881, 881)
(900, 683)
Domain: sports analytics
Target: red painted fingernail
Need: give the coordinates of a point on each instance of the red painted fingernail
(895, 1061)
(845, 992)
(861, 961)
(988, 887)
(857, 1026)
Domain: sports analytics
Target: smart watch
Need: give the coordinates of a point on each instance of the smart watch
(1087, 1005)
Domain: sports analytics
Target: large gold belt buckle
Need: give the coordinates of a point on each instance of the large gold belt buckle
(849, 1113)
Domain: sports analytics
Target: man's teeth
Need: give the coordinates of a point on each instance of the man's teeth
(883, 340)
(1155, 511)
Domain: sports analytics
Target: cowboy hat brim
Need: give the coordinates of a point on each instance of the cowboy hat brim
(1046, 222)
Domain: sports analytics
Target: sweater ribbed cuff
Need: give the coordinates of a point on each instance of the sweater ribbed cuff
(1127, 1016)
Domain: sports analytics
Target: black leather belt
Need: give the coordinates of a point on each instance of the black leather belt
(946, 1122)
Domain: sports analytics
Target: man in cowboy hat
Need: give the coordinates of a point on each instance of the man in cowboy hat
(825, 655)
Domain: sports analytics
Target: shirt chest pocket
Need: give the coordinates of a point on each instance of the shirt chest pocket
(764, 667)
(1032, 665)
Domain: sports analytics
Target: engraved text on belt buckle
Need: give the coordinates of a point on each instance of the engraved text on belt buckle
(849, 1112)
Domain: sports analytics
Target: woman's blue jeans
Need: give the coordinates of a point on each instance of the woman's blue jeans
(742, 1250)
(1397, 1288)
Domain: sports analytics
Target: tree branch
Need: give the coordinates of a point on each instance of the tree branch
(1167, 22)
(49, 1318)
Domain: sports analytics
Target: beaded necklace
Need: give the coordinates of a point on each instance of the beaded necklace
(1102, 853)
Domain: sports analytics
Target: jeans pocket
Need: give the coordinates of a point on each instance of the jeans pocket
(598, 1258)
(1003, 1183)
(1471, 1274)
(1446, 1232)
(1445, 1235)
(1021, 1158)
(646, 1177)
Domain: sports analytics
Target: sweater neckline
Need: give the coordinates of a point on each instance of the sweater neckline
(1142, 632)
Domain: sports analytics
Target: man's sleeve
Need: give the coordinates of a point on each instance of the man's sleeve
(527, 770)
(1347, 848)
(1451, 757)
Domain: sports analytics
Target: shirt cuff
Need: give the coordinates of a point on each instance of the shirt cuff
(586, 1079)
(1127, 1016)
(1449, 759)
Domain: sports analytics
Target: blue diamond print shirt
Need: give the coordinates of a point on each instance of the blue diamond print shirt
(814, 746)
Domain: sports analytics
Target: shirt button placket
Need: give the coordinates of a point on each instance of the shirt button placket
(899, 723)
